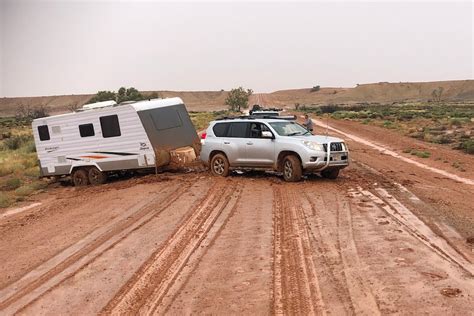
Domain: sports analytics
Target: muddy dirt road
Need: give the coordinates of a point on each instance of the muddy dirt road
(388, 236)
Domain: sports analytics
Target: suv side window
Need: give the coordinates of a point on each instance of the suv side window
(238, 129)
(256, 129)
(220, 129)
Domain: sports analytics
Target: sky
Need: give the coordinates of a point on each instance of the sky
(75, 47)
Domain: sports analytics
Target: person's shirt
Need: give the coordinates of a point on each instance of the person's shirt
(309, 124)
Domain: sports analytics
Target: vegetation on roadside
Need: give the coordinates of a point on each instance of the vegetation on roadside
(201, 120)
(122, 95)
(19, 171)
(450, 123)
(238, 99)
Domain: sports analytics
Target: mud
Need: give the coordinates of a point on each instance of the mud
(382, 238)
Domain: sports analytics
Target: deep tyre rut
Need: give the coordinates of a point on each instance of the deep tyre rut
(295, 282)
(68, 262)
(144, 293)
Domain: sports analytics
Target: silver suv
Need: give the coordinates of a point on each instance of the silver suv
(275, 144)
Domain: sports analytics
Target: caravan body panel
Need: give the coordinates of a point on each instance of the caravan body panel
(162, 121)
(111, 138)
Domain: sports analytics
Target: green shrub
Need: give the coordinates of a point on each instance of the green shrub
(29, 147)
(12, 184)
(39, 185)
(455, 122)
(12, 143)
(442, 139)
(468, 146)
(24, 190)
(5, 170)
(421, 154)
(32, 172)
(4, 200)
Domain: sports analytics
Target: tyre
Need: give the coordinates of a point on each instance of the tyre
(220, 165)
(80, 178)
(330, 174)
(96, 176)
(292, 169)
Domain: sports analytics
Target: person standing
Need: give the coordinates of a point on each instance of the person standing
(308, 123)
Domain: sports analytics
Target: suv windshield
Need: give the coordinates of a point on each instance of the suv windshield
(289, 129)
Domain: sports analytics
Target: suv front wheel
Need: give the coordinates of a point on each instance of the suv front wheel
(291, 168)
(220, 165)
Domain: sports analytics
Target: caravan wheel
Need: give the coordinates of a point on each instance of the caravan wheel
(80, 178)
(96, 176)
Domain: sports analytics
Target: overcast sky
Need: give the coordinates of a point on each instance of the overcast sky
(73, 47)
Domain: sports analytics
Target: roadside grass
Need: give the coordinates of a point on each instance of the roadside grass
(201, 120)
(19, 169)
(448, 123)
(420, 153)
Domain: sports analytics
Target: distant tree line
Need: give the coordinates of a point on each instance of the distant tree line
(122, 95)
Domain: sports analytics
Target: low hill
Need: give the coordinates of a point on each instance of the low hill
(383, 92)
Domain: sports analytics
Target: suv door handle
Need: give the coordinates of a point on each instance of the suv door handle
(249, 143)
(226, 143)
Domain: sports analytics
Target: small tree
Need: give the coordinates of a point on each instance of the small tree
(238, 98)
(130, 94)
(123, 94)
(103, 96)
(436, 94)
(73, 106)
(28, 113)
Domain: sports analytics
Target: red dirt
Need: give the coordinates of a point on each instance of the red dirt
(386, 237)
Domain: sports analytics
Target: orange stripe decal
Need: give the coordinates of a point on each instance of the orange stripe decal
(94, 157)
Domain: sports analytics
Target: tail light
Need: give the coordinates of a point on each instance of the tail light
(203, 135)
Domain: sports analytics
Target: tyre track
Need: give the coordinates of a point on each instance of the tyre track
(418, 229)
(295, 283)
(328, 257)
(213, 234)
(68, 262)
(145, 291)
(363, 300)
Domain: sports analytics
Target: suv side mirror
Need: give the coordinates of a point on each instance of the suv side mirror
(267, 134)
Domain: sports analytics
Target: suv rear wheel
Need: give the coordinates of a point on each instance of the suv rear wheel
(292, 168)
(220, 165)
(330, 174)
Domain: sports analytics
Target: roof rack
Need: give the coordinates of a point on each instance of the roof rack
(251, 117)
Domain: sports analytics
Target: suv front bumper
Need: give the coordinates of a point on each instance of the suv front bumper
(339, 159)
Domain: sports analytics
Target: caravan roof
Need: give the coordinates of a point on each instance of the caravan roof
(138, 106)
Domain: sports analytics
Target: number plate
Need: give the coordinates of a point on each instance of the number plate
(336, 157)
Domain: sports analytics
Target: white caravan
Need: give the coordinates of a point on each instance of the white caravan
(105, 137)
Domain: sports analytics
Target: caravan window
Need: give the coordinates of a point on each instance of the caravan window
(43, 132)
(86, 130)
(166, 118)
(110, 126)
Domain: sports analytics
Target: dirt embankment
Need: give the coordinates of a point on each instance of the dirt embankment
(215, 100)
(382, 92)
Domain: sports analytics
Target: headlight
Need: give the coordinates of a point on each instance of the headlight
(313, 145)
